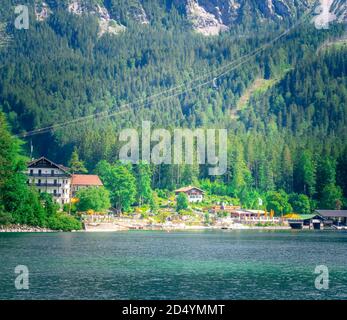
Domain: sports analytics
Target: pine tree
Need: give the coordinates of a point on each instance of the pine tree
(306, 174)
(75, 164)
(342, 172)
(241, 175)
(268, 68)
(326, 174)
(287, 170)
(332, 197)
(143, 183)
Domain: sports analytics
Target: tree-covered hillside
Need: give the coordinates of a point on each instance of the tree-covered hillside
(290, 135)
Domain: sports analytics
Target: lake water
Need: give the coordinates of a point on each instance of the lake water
(175, 265)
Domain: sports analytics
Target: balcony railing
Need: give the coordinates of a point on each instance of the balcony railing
(48, 175)
(44, 184)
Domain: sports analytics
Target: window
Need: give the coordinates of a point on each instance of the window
(40, 172)
(55, 192)
(31, 172)
(39, 182)
(52, 172)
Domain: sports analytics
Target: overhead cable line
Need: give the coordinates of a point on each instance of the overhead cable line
(185, 87)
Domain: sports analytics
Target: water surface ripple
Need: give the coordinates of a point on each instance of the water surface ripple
(175, 265)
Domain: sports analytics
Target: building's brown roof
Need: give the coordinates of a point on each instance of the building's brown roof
(186, 189)
(62, 167)
(53, 164)
(86, 180)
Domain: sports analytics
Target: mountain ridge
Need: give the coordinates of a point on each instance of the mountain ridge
(207, 17)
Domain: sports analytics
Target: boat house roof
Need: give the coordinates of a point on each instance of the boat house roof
(306, 216)
(332, 213)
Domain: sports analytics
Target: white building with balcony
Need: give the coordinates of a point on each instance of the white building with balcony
(55, 179)
(51, 178)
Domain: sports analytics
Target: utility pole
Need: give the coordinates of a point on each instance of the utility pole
(70, 195)
(31, 150)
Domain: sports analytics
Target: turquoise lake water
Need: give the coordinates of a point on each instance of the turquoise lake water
(176, 265)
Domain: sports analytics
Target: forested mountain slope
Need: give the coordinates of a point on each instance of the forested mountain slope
(64, 67)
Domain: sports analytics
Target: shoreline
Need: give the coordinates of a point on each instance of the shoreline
(17, 228)
(116, 228)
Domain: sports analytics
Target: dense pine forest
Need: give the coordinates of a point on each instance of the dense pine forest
(285, 108)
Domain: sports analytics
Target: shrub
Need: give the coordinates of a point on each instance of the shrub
(182, 202)
(64, 222)
(162, 216)
(5, 218)
(95, 198)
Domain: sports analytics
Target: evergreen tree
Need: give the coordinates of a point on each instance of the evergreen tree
(143, 183)
(190, 174)
(241, 176)
(306, 174)
(154, 202)
(75, 164)
(326, 174)
(268, 68)
(341, 172)
(287, 170)
(332, 197)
